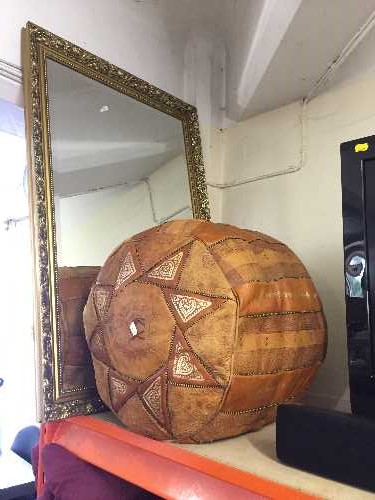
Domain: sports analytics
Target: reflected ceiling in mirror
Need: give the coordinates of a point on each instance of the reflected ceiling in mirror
(110, 156)
(119, 166)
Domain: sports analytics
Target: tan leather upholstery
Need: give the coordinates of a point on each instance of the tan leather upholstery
(199, 330)
(74, 288)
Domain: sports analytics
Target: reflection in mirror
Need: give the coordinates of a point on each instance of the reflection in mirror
(355, 274)
(119, 167)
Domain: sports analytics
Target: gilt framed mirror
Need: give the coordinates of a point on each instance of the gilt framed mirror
(110, 155)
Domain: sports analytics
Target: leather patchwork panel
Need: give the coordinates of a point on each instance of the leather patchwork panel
(192, 408)
(109, 273)
(120, 389)
(284, 295)
(255, 391)
(225, 425)
(78, 376)
(210, 234)
(153, 251)
(268, 352)
(102, 298)
(215, 346)
(101, 378)
(279, 322)
(244, 261)
(98, 347)
(127, 270)
(139, 330)
(90, 318)
(210, 279)
(134, 415)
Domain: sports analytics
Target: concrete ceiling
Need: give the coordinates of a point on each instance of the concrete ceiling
(314, 38)
(276, 49)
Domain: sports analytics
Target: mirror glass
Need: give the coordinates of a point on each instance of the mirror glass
(119, 166)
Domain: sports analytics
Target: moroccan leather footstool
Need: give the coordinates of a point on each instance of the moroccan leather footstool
(198, 330)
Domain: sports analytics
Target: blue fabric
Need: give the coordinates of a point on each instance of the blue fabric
(12, 119)
(25, 440)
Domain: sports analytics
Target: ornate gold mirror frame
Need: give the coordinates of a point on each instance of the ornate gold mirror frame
(38, 46)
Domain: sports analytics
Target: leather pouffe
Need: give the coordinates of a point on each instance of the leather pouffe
(199, 330)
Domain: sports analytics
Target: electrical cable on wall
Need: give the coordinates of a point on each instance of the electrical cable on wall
(356, 39)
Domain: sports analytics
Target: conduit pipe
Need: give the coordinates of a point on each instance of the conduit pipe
(356, 39)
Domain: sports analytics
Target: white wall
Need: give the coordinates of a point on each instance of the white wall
(304, 209)
(128, 34)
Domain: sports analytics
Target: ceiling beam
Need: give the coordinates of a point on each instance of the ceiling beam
(273, 23)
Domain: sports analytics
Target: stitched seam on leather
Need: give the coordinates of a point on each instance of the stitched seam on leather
(164, 257)
(153, 417)
(260, 408)
(191, 435)
(185, 290)
(218, 410)
(302, 367)
(208, 368)
(306, 346)
(210, 294)
(123, 377)
(301, 277)
(196, 386)
(211, 245)
(280, 313)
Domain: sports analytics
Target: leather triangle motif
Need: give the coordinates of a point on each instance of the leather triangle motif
(98, 347)
(188, 307)
(127, 270)
(184, 365)
(120, 390)
(167, 270)
(102, 296)
(154, 397)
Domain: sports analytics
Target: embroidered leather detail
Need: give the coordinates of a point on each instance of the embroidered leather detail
(101, 300)
(184, 367)
(152, 398)
(167, 270)
(119, 386)
(188, 307)
(126, 271)
(120, 391)
(98, 347)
